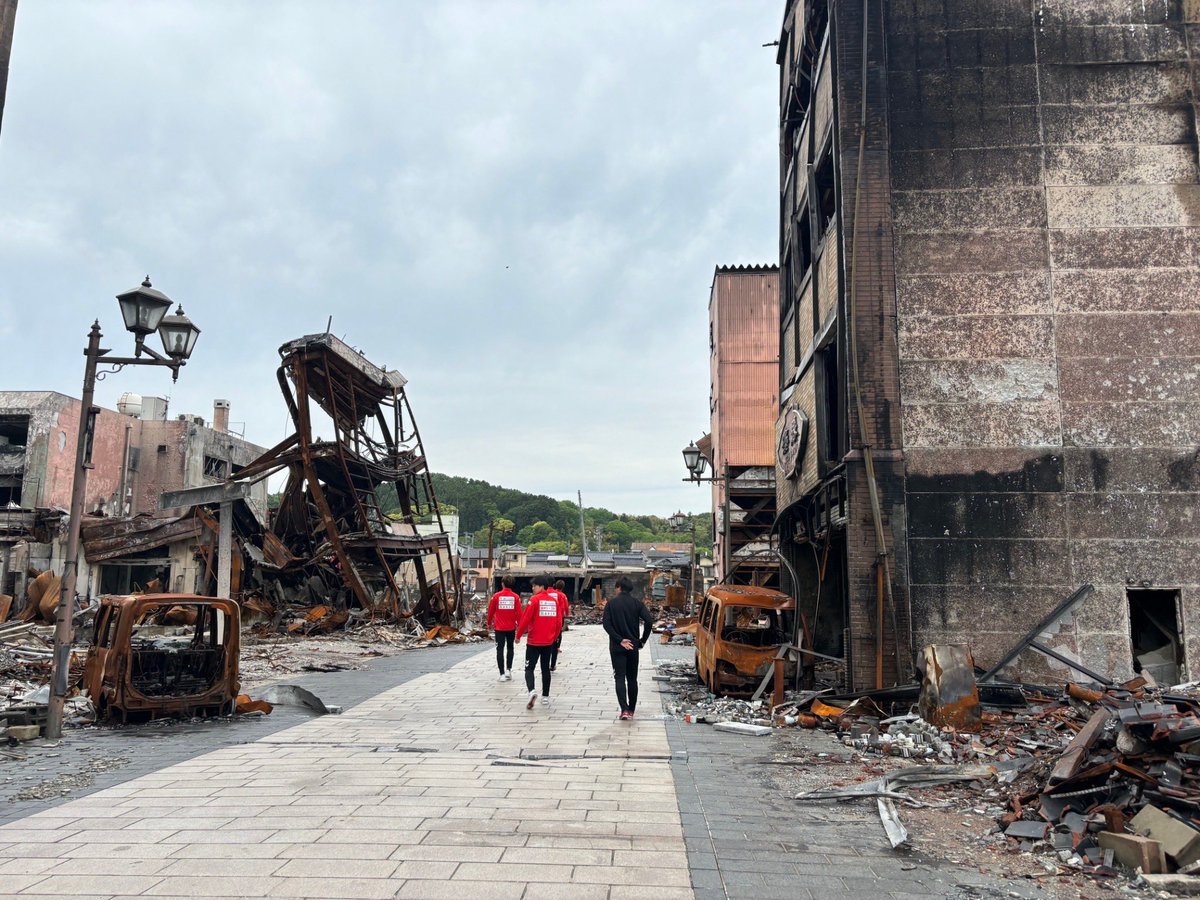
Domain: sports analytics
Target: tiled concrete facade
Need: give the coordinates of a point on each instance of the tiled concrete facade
(1026, 314)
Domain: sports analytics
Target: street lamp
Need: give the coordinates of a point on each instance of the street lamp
(694, 460)
(144, 310)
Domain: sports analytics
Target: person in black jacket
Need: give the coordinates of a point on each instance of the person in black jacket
(621, 618)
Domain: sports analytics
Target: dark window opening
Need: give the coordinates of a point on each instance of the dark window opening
(125, 578)
(14, 432)
(831, 438)
(802, 259)
(10, 491)
(826, 196)
(215, 468)
(1154, 635)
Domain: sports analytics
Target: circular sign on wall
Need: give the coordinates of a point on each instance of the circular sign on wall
(793, 437)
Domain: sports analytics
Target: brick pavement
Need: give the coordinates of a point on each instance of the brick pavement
(443, 787)
(150, 748)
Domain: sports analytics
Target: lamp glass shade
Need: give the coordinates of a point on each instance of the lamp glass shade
(178, 335)
(701, 466)
(691, 458)
(143, 309)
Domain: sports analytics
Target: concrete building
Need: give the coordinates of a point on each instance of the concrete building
(1011, 284)
(137, 454)
(743, 401)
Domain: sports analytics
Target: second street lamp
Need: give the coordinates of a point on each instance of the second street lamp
(144, 311)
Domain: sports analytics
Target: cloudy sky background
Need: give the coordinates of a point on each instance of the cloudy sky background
(518, 205)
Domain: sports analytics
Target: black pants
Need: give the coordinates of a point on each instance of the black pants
(538, 656)
(625, 668)
(504, 645)
(554, 652)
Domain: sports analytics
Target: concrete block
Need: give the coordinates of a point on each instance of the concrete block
(1179, 840)
(1135, 851)
(23, 732)
(743, 728)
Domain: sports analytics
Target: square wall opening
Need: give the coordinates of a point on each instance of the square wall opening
(1155, 637)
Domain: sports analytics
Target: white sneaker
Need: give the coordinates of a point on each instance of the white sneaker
(508, 675)
(532, 699)
(502, 677)
(545, 701)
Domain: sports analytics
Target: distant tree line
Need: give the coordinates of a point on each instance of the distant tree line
(543, 523)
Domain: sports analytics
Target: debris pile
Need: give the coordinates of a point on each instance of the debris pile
(679, 629)
(1094, 778)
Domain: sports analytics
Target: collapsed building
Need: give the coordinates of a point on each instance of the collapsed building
(330, 544)
(988, 283)
(138, 452)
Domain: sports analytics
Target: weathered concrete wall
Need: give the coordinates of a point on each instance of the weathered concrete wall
(1045, 202)
(172, 458)
(49, 465)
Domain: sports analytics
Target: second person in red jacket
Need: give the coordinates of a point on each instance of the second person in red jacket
(542, 620)
(504, 611)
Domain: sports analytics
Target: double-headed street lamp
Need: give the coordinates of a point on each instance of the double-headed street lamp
(145, 311)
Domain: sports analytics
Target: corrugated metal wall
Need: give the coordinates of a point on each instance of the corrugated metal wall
(744, 313)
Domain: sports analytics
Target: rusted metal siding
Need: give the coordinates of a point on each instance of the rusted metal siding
(744, 310)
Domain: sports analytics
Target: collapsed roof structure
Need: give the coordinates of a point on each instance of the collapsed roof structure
(330, 540)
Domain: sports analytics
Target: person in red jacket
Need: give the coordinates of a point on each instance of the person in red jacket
(542, 619)
(504, 611)
(561, 596)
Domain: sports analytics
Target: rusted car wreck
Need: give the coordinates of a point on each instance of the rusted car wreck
(330, 541)
(158, 655)
(740, 631)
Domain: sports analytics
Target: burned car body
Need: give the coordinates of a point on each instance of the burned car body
(738, 635)
(158, 655)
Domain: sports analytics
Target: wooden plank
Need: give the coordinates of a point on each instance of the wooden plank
(1068, 764)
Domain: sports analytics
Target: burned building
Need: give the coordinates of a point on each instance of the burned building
(138, 452)
(989, 230)
(743, 348)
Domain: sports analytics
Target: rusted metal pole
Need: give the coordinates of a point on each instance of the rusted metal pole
(61, 661)
(777, 693)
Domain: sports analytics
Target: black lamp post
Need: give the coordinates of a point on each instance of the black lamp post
(144, 311)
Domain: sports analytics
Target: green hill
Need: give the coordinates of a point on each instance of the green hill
(543, 523)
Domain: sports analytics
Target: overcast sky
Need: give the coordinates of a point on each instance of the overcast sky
(518, 205)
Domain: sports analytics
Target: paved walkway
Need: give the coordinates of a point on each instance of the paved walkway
(443, 787)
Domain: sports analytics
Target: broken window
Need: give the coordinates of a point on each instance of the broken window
(215, 468)
(10, 490)
(14, 433)
(178, 661)
(1155, 635)
(753, 626)
(831, 434)
(826, 194)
